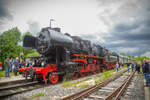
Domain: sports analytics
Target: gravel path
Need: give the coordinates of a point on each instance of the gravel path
(52, 92)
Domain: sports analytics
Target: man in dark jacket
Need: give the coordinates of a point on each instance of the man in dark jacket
(128, 66)
(137, 68)
(146, 72)
(132, 66)
(7, 65)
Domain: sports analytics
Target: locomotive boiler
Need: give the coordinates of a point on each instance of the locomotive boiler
(50, 38)
(65, 55)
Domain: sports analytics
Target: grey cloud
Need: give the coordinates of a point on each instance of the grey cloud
(107, 2)
(125, 31)
(4, 11)
(131, 36)
(33, 27)
(129, 39)
(125, 27)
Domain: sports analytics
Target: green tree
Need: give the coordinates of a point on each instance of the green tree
(9, 43)
(129, 56)
(123, 54)
(141, 58)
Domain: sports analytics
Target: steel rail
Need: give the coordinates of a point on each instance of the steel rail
(17, 85)
(119, 91)
(14, 82)
(23, 90)
(124, 87)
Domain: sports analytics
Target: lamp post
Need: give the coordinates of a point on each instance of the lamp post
(51, 22)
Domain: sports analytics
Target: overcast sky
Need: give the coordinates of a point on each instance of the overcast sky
(119, 25)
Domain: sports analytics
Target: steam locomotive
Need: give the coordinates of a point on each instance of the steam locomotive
(67, 56)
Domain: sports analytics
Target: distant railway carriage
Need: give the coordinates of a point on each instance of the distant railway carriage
(66, 55)
(123, 59)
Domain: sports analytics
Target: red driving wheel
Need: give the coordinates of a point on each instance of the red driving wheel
(53, 78)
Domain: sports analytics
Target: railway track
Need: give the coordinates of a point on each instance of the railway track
(111, 89)
(15, 87)
(6, 83)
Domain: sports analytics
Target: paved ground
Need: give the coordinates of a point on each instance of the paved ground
(147, 92)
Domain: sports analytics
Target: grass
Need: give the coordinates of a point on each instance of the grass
(98, 75)
(2, 74)
(104, 76)
(98, 81)
(84, 86)
(67, 83)
(125, 65)
(97, 78)
(107, 74)
(37, 95)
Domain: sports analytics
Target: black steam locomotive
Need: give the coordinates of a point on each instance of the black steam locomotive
(67, 55)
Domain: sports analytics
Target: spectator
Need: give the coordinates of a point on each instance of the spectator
(121, 65)
(38, 64)
(146, 72)
(128, 66)
(149, 69)
(27, 64)
(21, 63)
(30, 63)
(13, 66)
(137, 67)
(7, 65)
(11, 62)
(132, 66)
(143, 64)
(16, 66)
(117, 66)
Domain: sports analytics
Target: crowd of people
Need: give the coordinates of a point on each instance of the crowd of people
(12, 65)
(139, 67)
